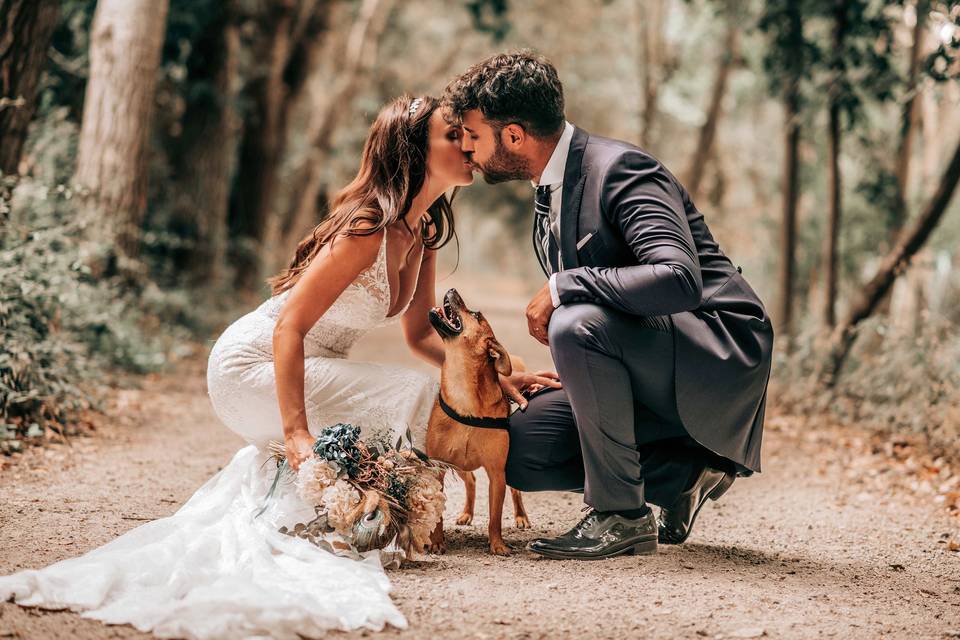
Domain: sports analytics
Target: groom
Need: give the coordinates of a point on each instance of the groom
(662, 347)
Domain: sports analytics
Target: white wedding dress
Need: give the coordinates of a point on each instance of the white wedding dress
(212, 570)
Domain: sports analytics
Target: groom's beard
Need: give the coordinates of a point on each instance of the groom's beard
(504, 166)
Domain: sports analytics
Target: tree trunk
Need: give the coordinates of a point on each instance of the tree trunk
(650, 21)
(908, 123)
(708, 131)
(908, 117)
(259, 156)
(25, 30)
(833, 169)
(893, 264)
(833, 217)
(720, 181)
(361, 52)
(125, 42)
(788, 230)
(791, 179)
(269, 96)
(203, 159)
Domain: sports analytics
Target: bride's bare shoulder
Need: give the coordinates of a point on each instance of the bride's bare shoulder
(363, 244)
(342, 257)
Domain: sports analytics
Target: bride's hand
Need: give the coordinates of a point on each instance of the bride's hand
(521, 383)
(299, 446)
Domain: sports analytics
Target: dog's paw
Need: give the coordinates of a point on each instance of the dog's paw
(438, 542)
(465, 518)
(499, 548)
(523, 522)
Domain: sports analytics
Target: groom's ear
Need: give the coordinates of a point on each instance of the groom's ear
(500, 357)
(513, 136)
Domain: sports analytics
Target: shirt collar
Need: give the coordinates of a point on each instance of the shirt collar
(557, 164)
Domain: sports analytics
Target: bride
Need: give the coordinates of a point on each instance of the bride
(212, 570)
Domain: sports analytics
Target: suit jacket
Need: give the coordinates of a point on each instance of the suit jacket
(632, 239)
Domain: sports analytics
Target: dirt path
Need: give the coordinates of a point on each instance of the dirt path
(819, 545)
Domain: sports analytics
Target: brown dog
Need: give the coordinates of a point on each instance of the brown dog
(467, 425)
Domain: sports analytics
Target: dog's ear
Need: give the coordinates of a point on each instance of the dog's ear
(500, 357)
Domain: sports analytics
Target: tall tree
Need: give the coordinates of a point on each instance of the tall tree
(908, 117)
(942, 66)
(202, 155)
(360, 50)
(26, 27)
(708, 131)
(653, 62)
(834, 191)
(359, 54)
(787, 63)
(279, 49)
(788, 224)
(893, 264)
(126, 39)
(908, 122)
(859, 71)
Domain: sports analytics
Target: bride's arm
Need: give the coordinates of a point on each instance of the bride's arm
(421, 338)
(329, 273)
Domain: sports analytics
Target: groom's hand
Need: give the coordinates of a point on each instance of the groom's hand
(520, 385)
(538, 314)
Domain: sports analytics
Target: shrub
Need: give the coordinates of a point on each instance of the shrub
(63, 332)
(900, 382)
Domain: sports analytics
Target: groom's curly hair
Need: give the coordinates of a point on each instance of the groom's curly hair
(520, 87)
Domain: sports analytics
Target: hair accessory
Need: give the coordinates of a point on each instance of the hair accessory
(414, 106)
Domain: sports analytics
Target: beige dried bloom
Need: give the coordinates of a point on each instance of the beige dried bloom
(425, 502)
(339, 500)
(314, 477)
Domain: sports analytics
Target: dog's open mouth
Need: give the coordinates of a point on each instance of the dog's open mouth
(446, 318)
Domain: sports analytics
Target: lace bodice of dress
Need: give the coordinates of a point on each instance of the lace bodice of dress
(362, 307)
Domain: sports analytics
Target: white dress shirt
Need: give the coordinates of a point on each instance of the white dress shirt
(552, 176)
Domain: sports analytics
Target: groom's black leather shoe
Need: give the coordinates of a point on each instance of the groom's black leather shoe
(676, 522)
(601, 535)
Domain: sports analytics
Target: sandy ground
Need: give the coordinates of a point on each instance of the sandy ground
(816, 546)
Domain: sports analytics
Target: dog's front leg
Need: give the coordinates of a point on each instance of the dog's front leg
(470, 486)
(519, 512)
(498, 492)
(438, 543)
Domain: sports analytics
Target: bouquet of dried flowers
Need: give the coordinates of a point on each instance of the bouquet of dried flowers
(372, 493)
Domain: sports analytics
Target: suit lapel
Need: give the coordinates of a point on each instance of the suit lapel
(574, 176)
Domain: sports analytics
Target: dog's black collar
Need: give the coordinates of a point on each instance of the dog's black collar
(471, 421)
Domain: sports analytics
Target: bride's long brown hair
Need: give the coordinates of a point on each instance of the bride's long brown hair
(393, 168)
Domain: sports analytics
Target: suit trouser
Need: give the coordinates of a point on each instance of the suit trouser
(613, 430)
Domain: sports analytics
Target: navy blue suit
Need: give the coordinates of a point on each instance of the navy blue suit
(663, 347)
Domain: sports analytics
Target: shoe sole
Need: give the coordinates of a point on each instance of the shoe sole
(641, 548)
(714, 495)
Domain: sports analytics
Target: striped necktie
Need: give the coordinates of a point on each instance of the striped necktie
(543, 241)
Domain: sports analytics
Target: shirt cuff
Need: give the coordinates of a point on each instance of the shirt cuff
(554, 294)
